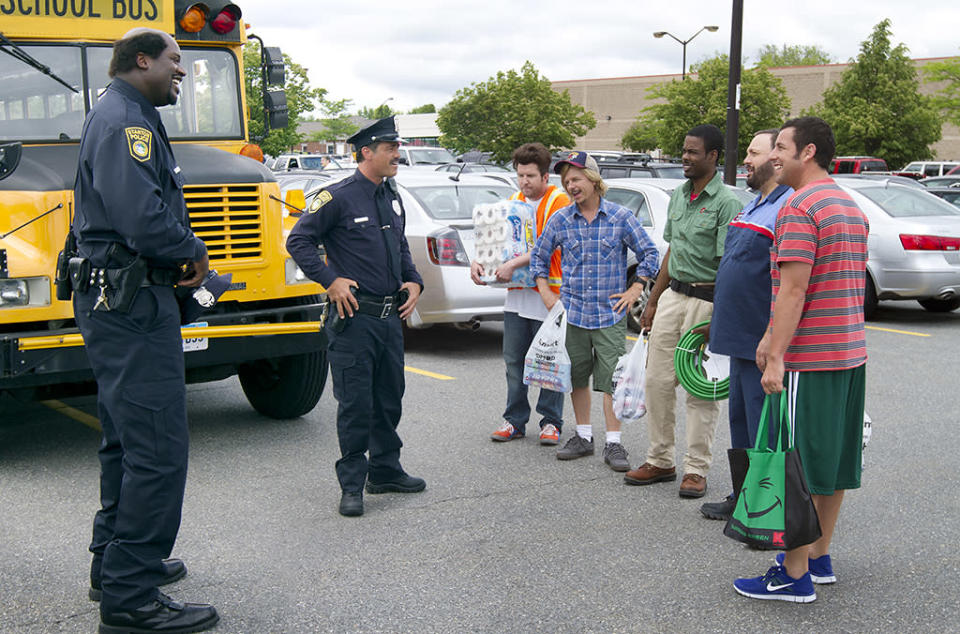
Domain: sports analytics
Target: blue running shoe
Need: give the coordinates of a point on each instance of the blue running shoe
(777, 585)
(821, 570)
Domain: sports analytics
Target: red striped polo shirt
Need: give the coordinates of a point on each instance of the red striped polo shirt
(822, 226)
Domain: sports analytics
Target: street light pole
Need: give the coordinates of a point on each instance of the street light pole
(684, 43)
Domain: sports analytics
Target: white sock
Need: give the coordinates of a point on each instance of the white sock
(613, 436)
(585, 431)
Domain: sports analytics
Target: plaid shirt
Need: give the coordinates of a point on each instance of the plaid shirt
(594, 260)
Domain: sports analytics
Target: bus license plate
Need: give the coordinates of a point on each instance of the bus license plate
(195, 343)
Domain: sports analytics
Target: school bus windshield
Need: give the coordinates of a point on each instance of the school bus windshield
(34, 107)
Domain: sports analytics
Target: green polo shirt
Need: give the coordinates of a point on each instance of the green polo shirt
(697, 229)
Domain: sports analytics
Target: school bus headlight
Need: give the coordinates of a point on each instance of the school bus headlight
(293, 273)
(25, 291)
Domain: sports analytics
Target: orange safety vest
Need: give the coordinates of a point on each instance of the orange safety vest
(553, 199)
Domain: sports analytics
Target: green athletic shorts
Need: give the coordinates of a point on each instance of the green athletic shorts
(829, 426)
(595, 352)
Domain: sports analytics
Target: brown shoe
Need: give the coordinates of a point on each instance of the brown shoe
(648, 474)
(693, 486)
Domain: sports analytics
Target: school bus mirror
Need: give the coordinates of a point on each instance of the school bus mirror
(273, 61)
(9, 158)
(275, 102)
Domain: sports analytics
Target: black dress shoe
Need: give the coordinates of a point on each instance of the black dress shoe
(351, 504)
(160, 615)
(404, 484)
(174, 570)
(719, 510)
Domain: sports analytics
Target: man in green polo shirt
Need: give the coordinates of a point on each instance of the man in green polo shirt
(682, 297)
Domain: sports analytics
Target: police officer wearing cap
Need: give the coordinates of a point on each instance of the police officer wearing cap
(134, 244)
(371, 285)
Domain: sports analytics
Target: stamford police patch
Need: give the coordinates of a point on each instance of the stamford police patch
(139, 142)
(322, 199)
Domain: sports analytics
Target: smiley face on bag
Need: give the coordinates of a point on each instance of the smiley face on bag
(759, 500)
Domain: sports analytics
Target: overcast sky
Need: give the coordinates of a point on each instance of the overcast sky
(423, 51)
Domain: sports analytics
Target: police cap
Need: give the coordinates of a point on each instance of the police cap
(383, 130)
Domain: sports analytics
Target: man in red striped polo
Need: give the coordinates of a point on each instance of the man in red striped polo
(816, 338)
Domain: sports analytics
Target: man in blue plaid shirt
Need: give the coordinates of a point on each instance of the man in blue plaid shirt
(593, 236)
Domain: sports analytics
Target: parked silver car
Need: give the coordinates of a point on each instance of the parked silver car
(649, 198)
(914, 245)
(439, 230)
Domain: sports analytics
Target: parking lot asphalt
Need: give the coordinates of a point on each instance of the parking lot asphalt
(505, 538)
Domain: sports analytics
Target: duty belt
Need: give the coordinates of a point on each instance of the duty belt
(154, 277)
(381, 306)
(691, 290)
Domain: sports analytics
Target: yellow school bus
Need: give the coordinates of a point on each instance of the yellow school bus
(54, 56)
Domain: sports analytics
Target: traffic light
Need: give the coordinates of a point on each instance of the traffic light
(216, 21)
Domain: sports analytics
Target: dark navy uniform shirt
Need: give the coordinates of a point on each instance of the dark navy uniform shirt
(343, 217)
(129, 188)
(741, 298)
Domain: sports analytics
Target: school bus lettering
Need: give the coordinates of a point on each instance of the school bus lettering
(135, 9)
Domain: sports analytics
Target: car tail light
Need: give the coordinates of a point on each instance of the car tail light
(929, 243)
(445, 249)
(226, 20)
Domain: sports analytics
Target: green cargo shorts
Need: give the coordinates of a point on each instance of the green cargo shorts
(829, 427)
(595, 352)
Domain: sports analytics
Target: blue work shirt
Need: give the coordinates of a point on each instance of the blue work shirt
(343, 218)
(741, 298)
(594, 260)
(129, 188)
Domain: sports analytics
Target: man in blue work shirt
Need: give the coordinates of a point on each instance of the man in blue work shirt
(133, 236)
(741, 299)
(593, 235)
(372, 285)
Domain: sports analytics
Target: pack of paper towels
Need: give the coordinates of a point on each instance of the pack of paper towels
(504, 230)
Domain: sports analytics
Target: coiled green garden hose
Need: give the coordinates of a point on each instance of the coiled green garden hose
(688, 364)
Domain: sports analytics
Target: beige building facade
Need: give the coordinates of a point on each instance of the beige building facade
(616, 102)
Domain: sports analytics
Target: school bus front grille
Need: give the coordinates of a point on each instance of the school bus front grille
(227, 218)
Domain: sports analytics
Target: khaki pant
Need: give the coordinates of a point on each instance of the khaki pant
(676, 314)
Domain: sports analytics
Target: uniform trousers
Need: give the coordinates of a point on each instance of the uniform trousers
(137, 360)
(676, 314)
(366, 361)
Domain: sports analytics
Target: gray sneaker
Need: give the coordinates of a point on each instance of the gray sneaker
(576, 447)
(616, 456)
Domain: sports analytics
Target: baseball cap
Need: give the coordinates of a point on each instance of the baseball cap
(577, 159)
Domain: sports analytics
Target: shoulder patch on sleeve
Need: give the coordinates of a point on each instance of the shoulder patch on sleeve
(139, 142)
(322, 199)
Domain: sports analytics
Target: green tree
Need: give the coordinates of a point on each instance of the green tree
(381, 111)
(337, 124)
(509, 109)
(702, 98)
(426, 108)
(948, 97)
(876, 108)
(795, 55)
(301, 100)
(639, 138)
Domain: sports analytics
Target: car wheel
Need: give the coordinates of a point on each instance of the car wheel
(940, 305)
(635, 311)
(870, 301)
(286, 387)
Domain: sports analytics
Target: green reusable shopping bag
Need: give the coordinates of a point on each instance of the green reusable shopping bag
(774, 507)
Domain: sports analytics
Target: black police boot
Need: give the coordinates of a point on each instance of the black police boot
(174, 570)
(351, 504)
(403, 484)
(161, 615)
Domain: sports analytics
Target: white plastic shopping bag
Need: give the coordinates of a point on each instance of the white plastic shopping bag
(629, 402)
(547, 364)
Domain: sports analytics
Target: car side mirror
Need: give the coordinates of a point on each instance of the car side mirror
(9, 158)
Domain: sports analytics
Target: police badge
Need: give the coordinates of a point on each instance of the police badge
(195, 301)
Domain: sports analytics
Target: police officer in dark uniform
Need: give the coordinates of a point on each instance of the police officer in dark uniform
(134, 245)
(372, 285)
